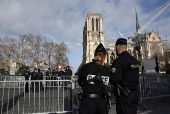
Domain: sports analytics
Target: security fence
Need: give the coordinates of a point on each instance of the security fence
(154, 86)
(60, 94)
(44, 96)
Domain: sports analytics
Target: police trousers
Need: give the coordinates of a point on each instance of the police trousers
(93, 106)
(127, 105)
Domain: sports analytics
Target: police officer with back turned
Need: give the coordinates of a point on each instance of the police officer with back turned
(125, 79)
(93, 77)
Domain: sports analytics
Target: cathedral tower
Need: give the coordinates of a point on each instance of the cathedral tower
(92, 35)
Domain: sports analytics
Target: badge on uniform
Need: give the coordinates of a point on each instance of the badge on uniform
(113, 70)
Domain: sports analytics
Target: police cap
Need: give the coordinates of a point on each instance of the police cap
(48, 68)
(27, 68)
(35, 69)
(100, 48)
(121, 41)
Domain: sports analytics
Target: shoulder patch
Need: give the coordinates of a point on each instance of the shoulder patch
(113, 70)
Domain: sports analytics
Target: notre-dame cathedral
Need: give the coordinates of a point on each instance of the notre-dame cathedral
(147, 46)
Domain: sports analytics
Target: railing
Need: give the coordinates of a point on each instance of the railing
(44, 96)
(154, 86)
(59, 94)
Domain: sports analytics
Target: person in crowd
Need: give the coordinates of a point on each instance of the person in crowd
(53, 77)
(125, 79)
(56, 72)
(61, 72)
(92, 78)
(33, 77)
(27, 75)
(65, 71)
(39, 77)
(48, 74)
(69, 71)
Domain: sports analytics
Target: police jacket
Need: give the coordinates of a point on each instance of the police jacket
(47, 73)
(33, 75)
(56, 73)
(69, 72)
(27, 75)
(39, 76)
(125, 71)
(88, 71)
(61, 73)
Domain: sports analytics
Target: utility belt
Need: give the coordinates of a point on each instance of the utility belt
(86, 95)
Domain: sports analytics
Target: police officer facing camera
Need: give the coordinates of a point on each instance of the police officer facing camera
(39, 77)
(27, 75)
(125, 79)
(33, 77)
(92, 77)
(48, 74)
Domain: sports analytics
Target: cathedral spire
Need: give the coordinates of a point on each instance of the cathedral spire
(159, 36)
(137, 22)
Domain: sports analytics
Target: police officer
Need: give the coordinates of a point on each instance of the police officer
(48, 74)
(27, 75)
(125, 78)
(39, 77)
(33, 77)
(53, 78)
(56, 72)
(91, 78)
(69, 71)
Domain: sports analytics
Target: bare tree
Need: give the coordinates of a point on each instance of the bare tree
(36, 46)
(49, 50)
(21, 51)
(7, 46)
(60, 55)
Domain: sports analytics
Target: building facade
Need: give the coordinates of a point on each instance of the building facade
(143, 46)
(93, 34)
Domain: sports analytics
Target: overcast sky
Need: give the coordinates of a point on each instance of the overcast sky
(63, 20)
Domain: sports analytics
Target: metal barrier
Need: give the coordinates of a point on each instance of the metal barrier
(59, 94)
(154, 86)
(55, 97)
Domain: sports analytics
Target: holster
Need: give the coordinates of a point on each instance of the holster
(121, 90)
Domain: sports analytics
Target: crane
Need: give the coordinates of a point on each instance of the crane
(150, 21)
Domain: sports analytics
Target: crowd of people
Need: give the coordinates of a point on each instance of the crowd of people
(54, 75)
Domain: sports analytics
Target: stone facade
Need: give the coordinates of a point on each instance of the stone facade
(143, 46)
(93, 34)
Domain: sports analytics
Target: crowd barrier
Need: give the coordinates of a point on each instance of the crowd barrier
(48, 96)
(59, 94)
(154, 86)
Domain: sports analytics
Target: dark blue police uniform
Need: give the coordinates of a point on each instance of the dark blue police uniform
(125, 73)
(27, 75)
(39, 77)
(93, 101)
(33, 77)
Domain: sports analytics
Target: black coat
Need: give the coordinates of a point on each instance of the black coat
(39, 76)
(125, 71)
(33, 75)
(89, 70)
(27, 75)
